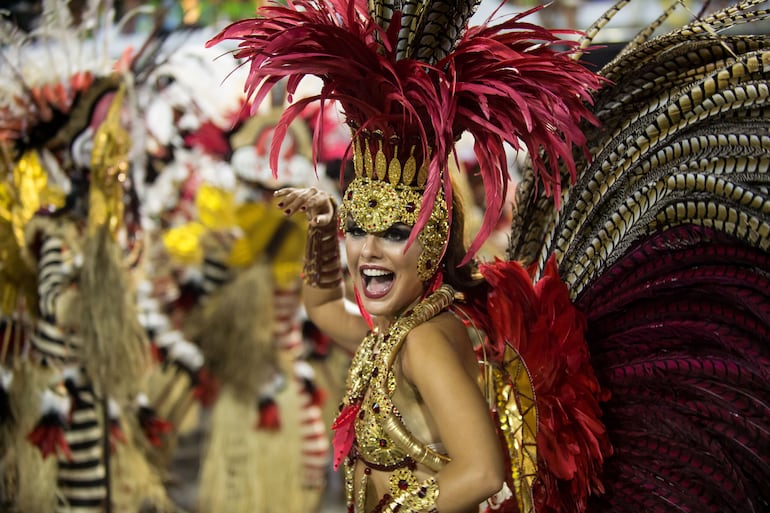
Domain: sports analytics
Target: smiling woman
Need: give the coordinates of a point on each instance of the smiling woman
(381, 263)
(416, 368)
(431, 419)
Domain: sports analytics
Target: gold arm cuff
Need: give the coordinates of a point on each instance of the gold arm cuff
(323, 268)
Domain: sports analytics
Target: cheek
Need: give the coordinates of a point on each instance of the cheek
(413, 254)
(352, 252)
(406, 261)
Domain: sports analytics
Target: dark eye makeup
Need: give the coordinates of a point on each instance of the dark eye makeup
(398, 232)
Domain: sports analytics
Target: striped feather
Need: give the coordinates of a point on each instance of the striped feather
(664, 242)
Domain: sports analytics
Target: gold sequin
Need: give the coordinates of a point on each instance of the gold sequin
(381, 437)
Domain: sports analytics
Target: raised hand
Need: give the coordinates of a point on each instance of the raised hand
(317, 204)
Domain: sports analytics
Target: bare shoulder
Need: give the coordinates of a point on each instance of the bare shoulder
(438, 341)
(445, 328)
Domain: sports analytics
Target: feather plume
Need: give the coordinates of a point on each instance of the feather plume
(542, 325)
(504, 84)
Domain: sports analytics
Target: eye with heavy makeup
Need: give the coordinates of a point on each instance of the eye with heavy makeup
(398, 232)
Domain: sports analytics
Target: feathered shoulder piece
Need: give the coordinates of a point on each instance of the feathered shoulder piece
(48, 71)
(411, 79)
(52, 80)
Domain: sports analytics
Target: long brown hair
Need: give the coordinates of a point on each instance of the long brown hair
(461, 277)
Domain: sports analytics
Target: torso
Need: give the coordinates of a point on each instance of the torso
(395, 433)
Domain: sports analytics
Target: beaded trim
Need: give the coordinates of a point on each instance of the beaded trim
(370, 370)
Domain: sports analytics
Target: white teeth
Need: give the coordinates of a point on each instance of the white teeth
(374, 272)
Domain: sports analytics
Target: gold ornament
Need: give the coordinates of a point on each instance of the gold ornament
(385, 192)
(109, 169)
(411, 496)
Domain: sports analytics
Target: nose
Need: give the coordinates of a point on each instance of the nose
(371, 247)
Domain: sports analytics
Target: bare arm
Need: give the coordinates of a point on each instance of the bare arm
(439, 361)
(323, 296)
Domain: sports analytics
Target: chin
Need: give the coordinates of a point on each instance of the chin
(387, 309)
(376, 310)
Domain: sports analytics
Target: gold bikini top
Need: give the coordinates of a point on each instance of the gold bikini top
(383, 441)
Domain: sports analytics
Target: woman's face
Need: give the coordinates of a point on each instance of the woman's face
(385, 275)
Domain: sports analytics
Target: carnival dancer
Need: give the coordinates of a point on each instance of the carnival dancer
(669, 173)
(414, 429)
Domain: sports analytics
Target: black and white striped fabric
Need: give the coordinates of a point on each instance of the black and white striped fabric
(81, 476)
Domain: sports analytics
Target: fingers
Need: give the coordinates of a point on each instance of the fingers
(293, 200)
(315, 203)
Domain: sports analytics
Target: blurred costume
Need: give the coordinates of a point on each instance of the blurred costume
(616, 383)
(251, 284)
(237, 264)
(75, 439)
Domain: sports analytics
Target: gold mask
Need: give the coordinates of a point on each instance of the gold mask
(385, 193)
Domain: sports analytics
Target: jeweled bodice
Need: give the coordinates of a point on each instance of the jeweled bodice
(382, 441)
(374, 444)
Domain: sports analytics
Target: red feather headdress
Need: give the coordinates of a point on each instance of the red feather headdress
(421, 79)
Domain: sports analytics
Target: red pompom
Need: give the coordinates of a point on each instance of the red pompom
(269, 416)
(153, 426)
(48, 436)
(206, 388)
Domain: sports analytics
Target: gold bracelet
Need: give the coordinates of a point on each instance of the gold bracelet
(323, 267)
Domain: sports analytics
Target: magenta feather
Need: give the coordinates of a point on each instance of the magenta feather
(678, 328)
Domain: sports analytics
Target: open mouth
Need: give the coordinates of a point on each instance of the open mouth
(377, 282)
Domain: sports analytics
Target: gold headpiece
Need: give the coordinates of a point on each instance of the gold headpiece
(386, 191)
